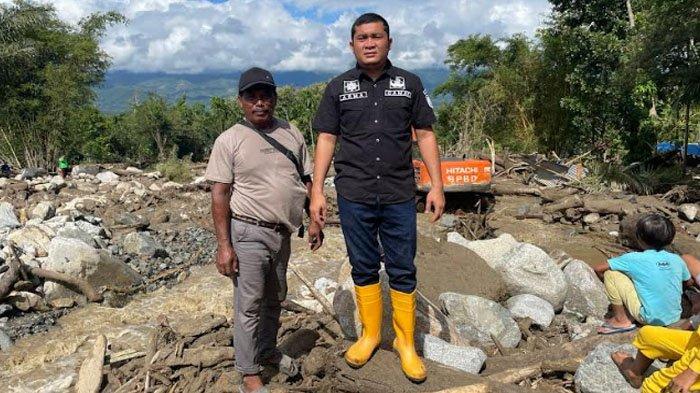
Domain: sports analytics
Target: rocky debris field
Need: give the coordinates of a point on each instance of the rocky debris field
(107, 277)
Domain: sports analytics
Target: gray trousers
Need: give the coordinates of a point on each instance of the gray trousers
(259, 289)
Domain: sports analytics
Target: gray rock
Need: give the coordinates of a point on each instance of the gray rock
(493, 250)
(586, 294)
(43, 211)
(468, 359)
(591, 218)
(107, 177)
(72, 231)
(688, 211)
(5, 308)
(456, 238)
(31, 173)
(140, 243)
(477, 319)
(448, 221)
(85, 169)
(530, 306)
(5, 341)
(72, 256)
(92, 229)
(598, 374)
(7, 216)
(526, 269)
(133, 170)
(31, 236)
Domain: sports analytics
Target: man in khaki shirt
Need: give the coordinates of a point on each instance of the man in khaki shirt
(258, 195)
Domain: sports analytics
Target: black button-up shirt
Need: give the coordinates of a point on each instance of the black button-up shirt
(373, 120)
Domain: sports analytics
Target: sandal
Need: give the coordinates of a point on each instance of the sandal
(607, 329)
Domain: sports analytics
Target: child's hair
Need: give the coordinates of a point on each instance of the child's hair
(655, 231)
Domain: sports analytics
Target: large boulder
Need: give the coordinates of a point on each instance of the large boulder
(586, 294)
(688, 211)
(31, 236)
(598, 374)
(468, 359)
(85, 169)
(107, 177)
(478, 319)
(493, 250)
(43, 211)
(31, 173)
(72, 256)
(429, 319)
(7, 216)
(527, 269)
(113, 273)
(530, 306)
(71, 230)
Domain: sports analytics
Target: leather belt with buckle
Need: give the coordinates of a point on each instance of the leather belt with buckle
(281, 228)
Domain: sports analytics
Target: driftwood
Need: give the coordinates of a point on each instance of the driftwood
(90, 374)
(12, 275)
(620, 207)
(562, 358)
(69, 281)
(510, 189)
(563, 204)
(201, 357)
(327, 307)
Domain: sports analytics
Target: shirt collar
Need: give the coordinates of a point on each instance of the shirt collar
(389, 69)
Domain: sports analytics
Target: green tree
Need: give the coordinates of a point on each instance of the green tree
(47, 72)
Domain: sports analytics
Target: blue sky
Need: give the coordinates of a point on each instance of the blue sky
(193, 36)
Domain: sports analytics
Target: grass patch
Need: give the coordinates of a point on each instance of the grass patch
(175, 169)
(641, 179)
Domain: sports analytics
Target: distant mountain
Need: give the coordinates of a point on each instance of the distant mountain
(122, 87)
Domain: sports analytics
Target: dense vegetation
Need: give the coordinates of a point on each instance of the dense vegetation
(601, 76)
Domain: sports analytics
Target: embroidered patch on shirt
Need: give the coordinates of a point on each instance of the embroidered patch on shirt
(353, 96)
(397, 83)
(397, 93)
(351, 86)
(427, 98)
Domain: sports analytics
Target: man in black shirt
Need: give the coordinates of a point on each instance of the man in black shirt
(372, 109)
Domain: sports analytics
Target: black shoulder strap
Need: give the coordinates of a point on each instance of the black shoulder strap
(287, 153)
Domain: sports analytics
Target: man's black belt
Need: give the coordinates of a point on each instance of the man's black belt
(254, 221)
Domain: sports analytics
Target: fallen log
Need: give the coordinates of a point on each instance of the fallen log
(90, 374)
(81, 285)
(12, 275)
(560, 358)
(571, 202)
(201, 357)
(609, 206)
(510, 189)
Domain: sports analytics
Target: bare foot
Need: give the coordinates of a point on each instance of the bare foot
(623, 361)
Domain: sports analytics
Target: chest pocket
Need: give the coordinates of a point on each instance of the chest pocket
(354, 115)
(398, 111)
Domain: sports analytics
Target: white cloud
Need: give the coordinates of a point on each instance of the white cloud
(191, 36)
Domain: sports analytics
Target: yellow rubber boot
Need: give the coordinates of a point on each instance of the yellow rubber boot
(404, 305)
(369, 305)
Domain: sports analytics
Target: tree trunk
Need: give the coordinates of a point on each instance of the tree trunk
(687, 134)
(630, 13)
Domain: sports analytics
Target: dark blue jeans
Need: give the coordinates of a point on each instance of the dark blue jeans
(396, 226)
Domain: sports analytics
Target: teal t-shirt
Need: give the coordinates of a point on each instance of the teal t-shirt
(658, 278)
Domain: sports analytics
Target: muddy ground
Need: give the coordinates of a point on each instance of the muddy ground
(185, 288)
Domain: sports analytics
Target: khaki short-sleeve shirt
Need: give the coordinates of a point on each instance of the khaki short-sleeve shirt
(266, 185)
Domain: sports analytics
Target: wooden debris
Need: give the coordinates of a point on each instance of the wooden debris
(12, 275)
(90, 374)
(81, 285)
(327, 307)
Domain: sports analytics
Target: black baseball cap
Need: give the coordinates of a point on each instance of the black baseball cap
(255, 76)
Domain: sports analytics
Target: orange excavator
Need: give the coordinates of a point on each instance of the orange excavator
(460, 177)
